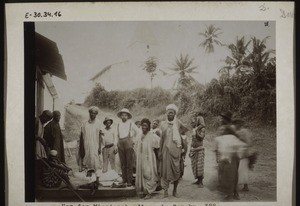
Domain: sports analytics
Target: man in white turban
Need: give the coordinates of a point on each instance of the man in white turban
(171, 149)
(90, 141)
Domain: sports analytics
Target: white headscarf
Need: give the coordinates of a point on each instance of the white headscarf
(94, 108)
(172, 107)
(176, 135)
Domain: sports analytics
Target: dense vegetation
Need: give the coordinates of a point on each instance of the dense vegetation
(246, 86)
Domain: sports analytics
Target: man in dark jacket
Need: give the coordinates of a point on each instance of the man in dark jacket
(54, 137)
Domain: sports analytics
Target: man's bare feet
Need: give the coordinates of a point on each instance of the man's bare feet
(175, 194)
(166, 195)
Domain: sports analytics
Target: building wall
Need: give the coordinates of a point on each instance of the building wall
(39, 91)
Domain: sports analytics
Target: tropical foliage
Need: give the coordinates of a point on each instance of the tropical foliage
(211, 36)
(150, 67)
(246, 86)
(184, 69)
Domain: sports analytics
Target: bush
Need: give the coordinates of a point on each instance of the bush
(141, 100)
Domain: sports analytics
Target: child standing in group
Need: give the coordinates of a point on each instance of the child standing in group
(109, 141)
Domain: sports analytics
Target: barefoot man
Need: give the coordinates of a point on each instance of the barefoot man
(90, 148)
(171, 149)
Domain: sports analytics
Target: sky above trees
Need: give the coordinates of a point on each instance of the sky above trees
(88, 47)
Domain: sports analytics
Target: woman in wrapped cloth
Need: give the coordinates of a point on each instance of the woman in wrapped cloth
(55, 171)
(146, 167)
(197, 152)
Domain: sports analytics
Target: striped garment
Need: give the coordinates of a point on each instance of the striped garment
(197, 159)
(50, 178)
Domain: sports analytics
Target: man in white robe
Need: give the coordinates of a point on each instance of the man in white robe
(90, 141)
(146, 168)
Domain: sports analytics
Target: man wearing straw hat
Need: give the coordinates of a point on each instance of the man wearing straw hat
(126, 133)
(171, 149)
(109, 141)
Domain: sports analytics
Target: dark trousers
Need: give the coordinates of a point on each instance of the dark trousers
(126, 154)
(228, 175)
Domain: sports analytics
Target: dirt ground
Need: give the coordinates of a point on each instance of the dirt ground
(262, 183)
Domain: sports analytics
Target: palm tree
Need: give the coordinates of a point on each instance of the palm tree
(150, 67)
(238, 60)
(183, 68)
(259, 59)
(211, 36)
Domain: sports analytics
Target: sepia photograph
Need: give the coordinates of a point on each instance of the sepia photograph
(155, 111)
(150, 104)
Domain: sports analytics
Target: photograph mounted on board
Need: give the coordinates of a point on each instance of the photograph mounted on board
(159, 111)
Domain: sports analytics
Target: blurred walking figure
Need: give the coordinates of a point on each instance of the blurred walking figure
(146, 168)
(197, 151)
(54, 136)
(171, 149)
(40, 142)
(127, 132)
(225, 120)
(229, 150)
(90, 141)
(248, 161)
(109, 141)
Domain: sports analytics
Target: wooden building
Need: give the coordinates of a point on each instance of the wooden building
(48, 62)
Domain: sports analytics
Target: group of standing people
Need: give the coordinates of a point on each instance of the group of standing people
(155, 151)
(50, 167)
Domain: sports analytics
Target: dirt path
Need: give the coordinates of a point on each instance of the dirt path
(262, 179)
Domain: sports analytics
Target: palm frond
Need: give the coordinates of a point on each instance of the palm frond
(217, 42)
(247, 44)
(204, 43)
(102, 72)
(176, 69)
(224, 68)
(217, 35)
(163, 72)
(174, 84)
(264, 40)
(191, 69)
(193, 72)
(189, 63)
(202, 34)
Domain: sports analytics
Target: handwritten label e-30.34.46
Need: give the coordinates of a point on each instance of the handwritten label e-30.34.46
(42, 14)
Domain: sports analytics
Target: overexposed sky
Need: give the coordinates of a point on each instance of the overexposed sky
(88, 47)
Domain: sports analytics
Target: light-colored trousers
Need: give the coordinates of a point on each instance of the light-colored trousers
(108, 156)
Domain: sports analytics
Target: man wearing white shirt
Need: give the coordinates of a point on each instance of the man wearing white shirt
(126, 133)
(109, 142)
